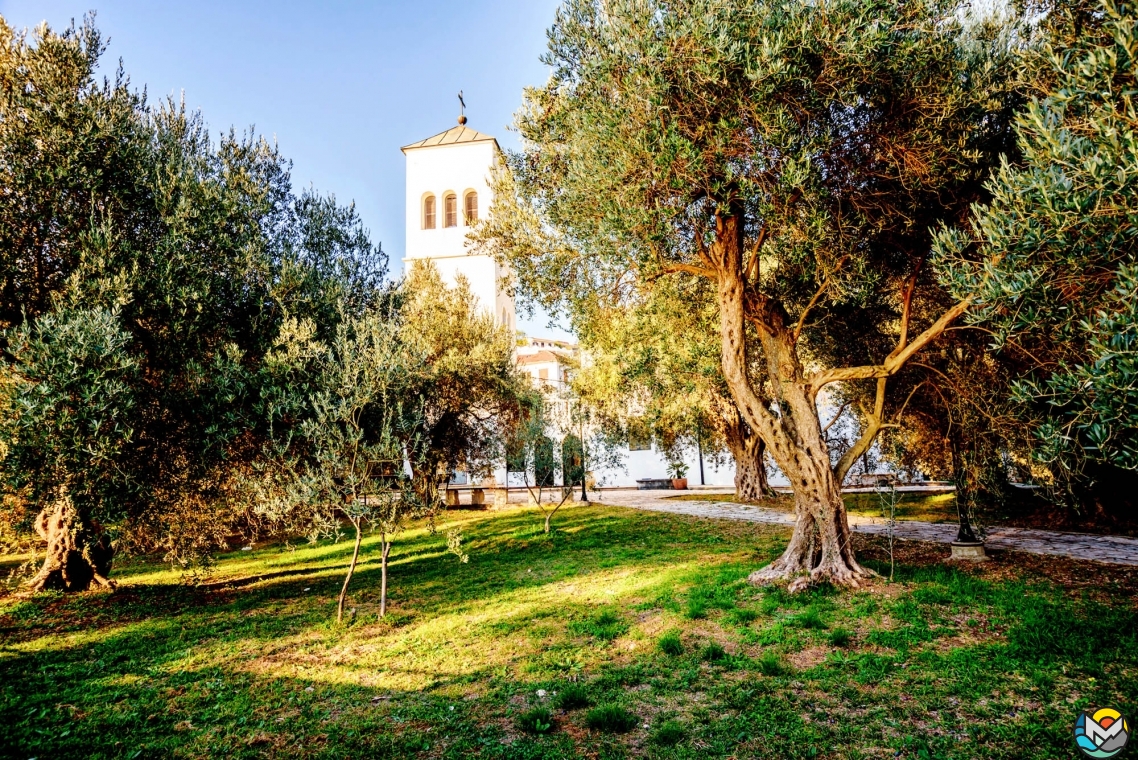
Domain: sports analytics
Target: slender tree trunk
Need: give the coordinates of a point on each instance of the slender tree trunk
(819, 549)
(549, 516)
(79, 553)
(351, 570)
(386, 549)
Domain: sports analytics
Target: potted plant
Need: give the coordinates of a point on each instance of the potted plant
(678, 472)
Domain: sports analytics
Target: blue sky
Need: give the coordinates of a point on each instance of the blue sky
(340, 84)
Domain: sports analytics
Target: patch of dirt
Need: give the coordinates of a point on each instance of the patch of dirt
(808, 658)
(1077, 577)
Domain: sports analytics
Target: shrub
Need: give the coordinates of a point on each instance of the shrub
(668, 734)
(839, 637)
(770, 664)
(671, 644)
(612, 719)
(536, 721)
(713, 652)
(572, 697)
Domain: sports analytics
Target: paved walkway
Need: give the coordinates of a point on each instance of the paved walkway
(1118, 550)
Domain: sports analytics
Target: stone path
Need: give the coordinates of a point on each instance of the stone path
(1118, 550)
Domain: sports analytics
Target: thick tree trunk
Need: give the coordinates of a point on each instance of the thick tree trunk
(79, 553)
(749, 453)
(964, 494)
(819, 549)
(751, 486)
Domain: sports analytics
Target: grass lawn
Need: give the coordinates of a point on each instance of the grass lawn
(940, 507)
(623, 634)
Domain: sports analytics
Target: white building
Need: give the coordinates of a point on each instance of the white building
(447, 189)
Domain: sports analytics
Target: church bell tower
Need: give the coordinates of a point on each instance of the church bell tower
(448, 190)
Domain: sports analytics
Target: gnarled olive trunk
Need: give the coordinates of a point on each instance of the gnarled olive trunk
(79, 553)
(819, 548)
(749, 452)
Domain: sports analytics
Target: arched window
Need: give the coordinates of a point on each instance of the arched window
(450, 210)
(470, 206)
(429, 212)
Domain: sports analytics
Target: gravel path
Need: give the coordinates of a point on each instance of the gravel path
(1117, 550)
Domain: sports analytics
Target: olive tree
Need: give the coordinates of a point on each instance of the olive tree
(149, 269)
(1050, 258)
(793, 154)
(472, 394)
(353, 451)
(75, 413)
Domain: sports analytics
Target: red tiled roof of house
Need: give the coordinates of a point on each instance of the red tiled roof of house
(539, 357)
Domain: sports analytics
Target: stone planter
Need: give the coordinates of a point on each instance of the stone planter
(968, 551)
(679, 484)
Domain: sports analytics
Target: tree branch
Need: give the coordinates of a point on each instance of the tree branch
(909, 398)
(906, 303)
(896, 360)
(753, 264)
(837, 416)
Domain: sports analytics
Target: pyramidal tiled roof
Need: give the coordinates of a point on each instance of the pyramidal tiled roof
(453, 136)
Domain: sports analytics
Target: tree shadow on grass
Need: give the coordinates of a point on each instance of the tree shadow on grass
(592, 540)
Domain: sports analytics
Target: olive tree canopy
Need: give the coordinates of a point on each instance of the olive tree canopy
(793, 154)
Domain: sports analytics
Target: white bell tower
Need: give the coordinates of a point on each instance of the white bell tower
(447, 191)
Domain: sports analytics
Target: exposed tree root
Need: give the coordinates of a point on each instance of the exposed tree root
(815, 557)
(800, 579)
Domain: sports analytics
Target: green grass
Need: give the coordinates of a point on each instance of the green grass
(839, 637)
(556, 647)
(573, 697)
(610, 719)
(539, 720)
(669, 733)
(671, 644)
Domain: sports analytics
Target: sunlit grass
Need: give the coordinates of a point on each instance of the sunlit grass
(641, 614)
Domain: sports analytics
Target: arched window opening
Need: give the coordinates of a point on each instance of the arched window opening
(429, 212)
(450, 211)
(470, 206)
